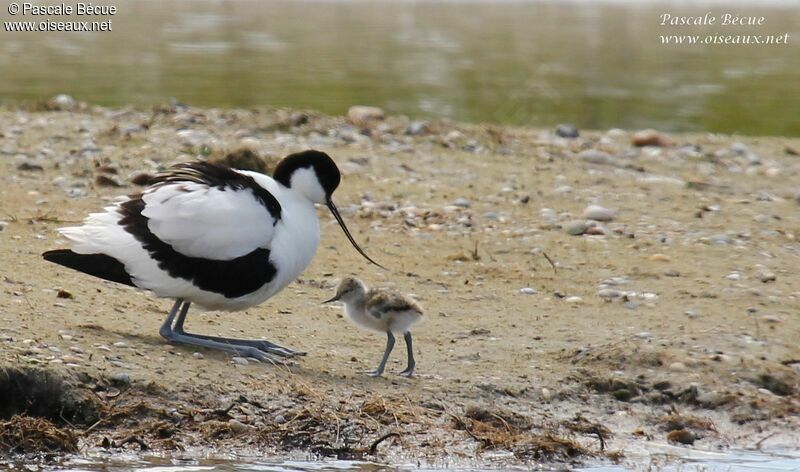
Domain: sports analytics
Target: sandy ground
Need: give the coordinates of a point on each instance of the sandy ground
(677, 320)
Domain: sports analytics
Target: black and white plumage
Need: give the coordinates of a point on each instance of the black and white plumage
(203, 233)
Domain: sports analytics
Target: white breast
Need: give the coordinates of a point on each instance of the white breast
(295, 241)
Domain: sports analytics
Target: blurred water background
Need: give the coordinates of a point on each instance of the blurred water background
(595, 64)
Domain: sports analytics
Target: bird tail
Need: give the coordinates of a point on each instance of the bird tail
(98, 265)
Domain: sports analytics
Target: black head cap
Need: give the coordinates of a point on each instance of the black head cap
(326, 170)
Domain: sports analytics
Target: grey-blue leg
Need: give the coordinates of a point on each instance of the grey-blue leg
(168, 333)
(411, 362)
(389, 346)
(259, 344)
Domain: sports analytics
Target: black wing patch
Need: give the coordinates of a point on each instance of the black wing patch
(231, 278)
(220, 177)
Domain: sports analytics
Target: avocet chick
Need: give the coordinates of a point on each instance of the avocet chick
(384, 311)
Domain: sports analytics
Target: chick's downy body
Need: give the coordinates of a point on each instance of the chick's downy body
(380, 310)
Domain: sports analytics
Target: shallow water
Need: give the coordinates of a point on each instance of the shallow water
(688, 460)
(596, 64)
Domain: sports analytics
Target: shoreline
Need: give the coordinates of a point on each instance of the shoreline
(666, 317)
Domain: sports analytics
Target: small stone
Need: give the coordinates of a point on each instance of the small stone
(63, 102)
(3, 225)
(658, 257)
(734, 276)
(595, 230)
(682, 436)
(527, 291)
(677, 367)
(239, 360)
(609, 294)
(576, 227)
(76, 193)
(623, 394)
(650, 137)
(598, 213)
(65, 337)
(739, 148)
(280, 419)
(30, 166)
(121, 378)
(596, 157)
(546, 394)
(574, 300)
(237, 427)
(120, 344)
(765, 276)
(416, 128)
(721, 239)
(198, 355)
(362, 116)
(461, 203)
(567, 131)
(71, 359)
(64, 294)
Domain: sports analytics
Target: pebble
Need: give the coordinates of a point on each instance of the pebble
(609, 293)
(121, 378)
(598, 213)
(239, 360)
(361, 115)
(576, 227)
(765, 276)
(677, 367)
(721, 239)
(76, 193)
(63, 102)
(596, 157)
(658, 257)
(574, 300)
(120, 344)
(546, 394)
(71, 359)
(198, 355)
(462, 203)
(739, 148)
(527, 291)
(567, 131)
(415, 128)
(682, 436)
(650, 137)
(595, 230)
(30, 166)
(734, 276)
(237, 427)
(3, 225)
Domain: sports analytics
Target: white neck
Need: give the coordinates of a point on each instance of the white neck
(305, 182)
